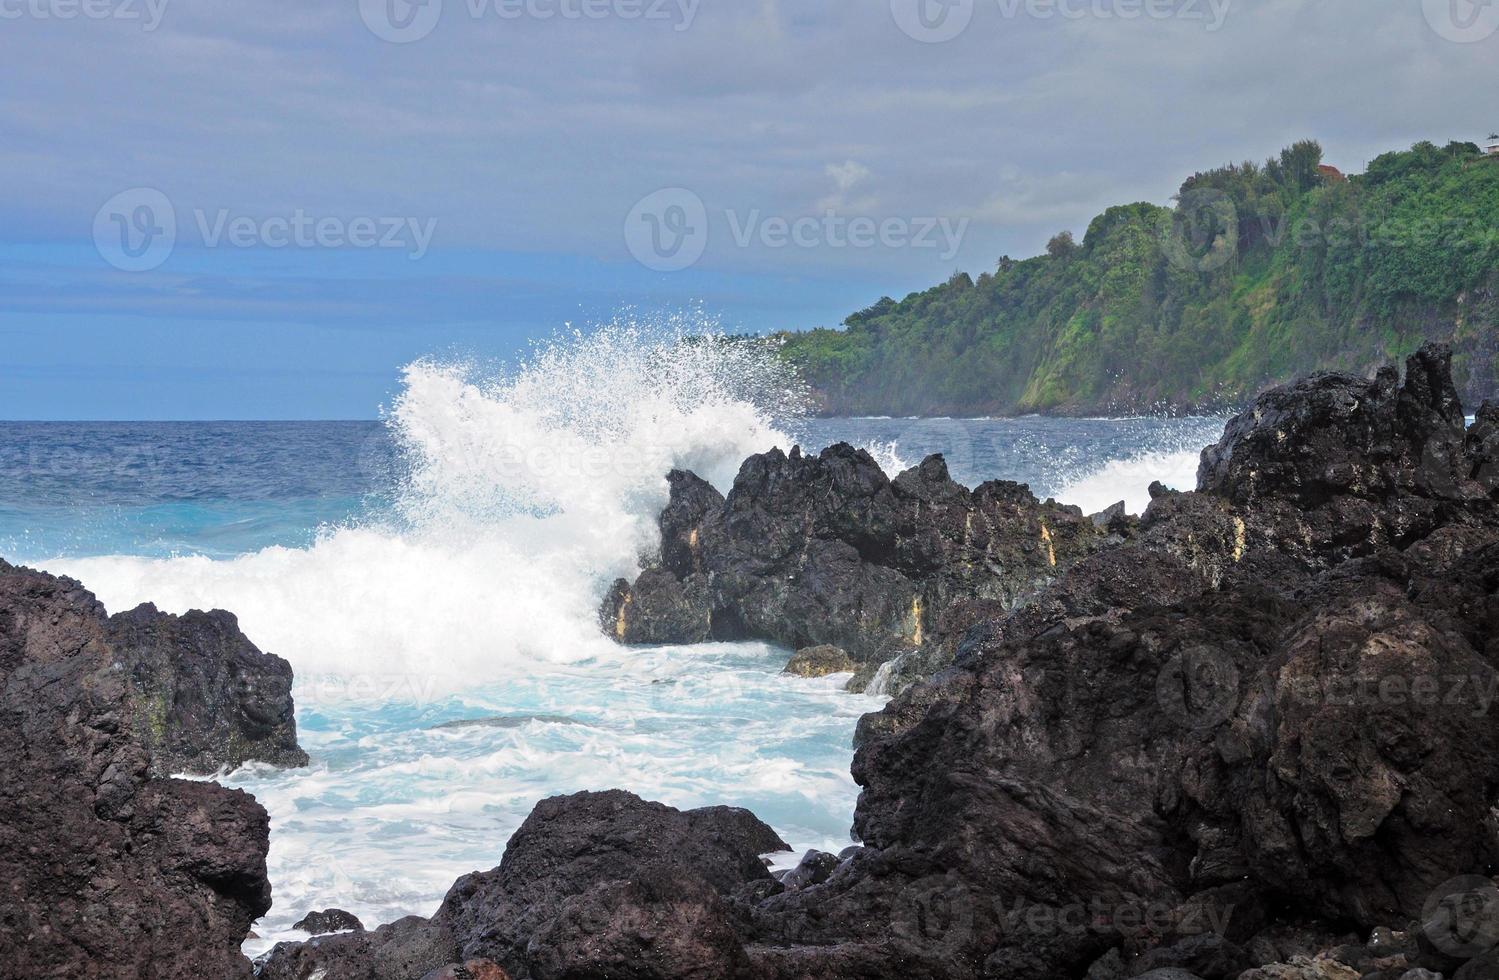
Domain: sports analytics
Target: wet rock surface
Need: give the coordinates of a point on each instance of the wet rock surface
(827, 550)
(107, 867)
(819, 662)
(329, 920)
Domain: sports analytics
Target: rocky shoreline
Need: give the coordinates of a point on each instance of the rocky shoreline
(1249, 735)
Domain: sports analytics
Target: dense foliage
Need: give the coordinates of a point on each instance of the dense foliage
(1258, 273)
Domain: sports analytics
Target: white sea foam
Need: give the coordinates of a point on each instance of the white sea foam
(1128, 480)
(886, 453)
(393, 809)
(1106, 482)
(524, 493)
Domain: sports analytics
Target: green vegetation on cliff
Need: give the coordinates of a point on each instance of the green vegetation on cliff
(1258, 274)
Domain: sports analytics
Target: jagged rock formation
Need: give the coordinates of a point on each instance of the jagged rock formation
(106, 867)
(827, 550)
(591, 885)
(205, 697)
(1276, 701)
(1232, 746)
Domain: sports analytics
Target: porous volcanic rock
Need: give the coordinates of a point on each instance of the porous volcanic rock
(591, 885)
(107, 867)
(819, 662)
(659, 608)
(329, 920)
(205, 697)
(827, 550)
(1275, 701)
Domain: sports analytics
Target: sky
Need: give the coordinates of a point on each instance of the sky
(263, 208)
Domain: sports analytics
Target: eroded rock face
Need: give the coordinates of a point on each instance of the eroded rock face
(826, 550)
(108, 869)
(659, 608)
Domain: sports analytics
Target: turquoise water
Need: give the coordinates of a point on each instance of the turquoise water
(447, 565)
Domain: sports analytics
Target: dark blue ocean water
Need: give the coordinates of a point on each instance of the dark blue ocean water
(221, 489)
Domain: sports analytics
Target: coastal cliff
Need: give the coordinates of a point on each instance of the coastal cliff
(1258, 274)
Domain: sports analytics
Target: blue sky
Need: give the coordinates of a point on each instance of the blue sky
(322, 333)
(509, 158)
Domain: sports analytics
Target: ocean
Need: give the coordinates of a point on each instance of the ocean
(433, 578)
